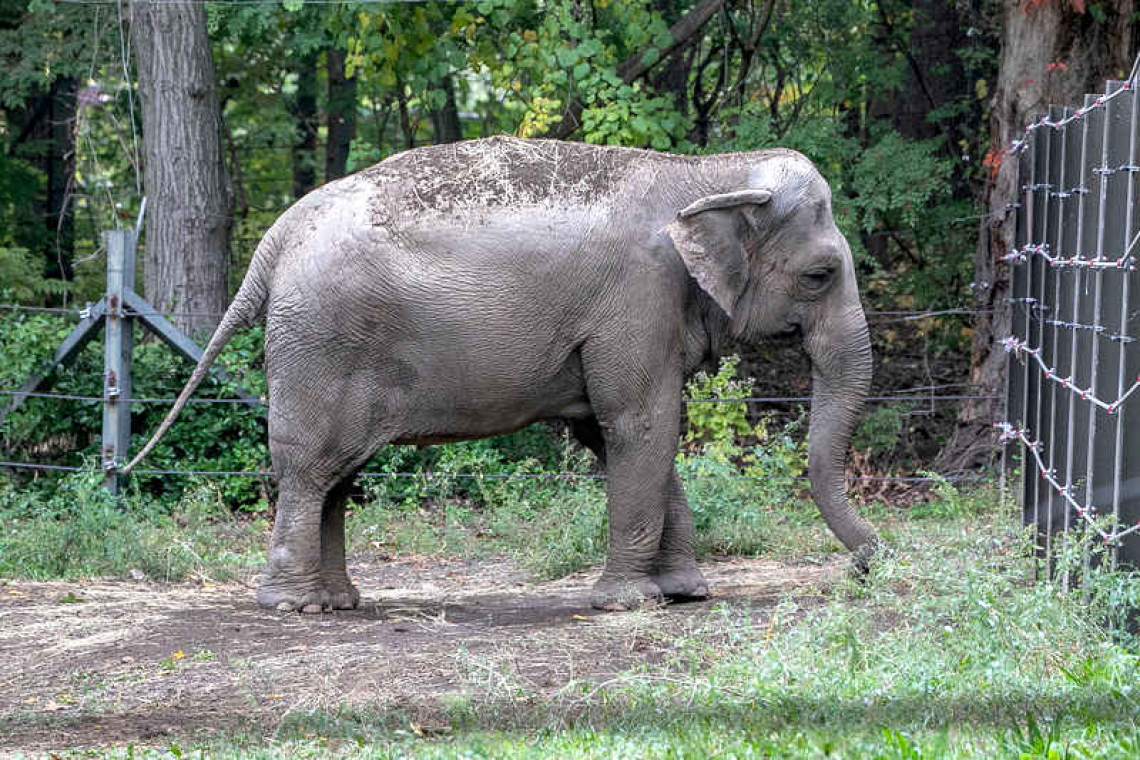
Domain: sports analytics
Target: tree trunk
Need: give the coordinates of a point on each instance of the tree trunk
(60, 218)
(189, 203)
(445, 121)
(304, 107)
(1050, 54)
(341, 116)
(44, 125)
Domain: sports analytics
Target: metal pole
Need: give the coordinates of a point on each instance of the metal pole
(1122, 368)
(1074, 207)
(1090, 470)
(118, 345)
(1056, 398)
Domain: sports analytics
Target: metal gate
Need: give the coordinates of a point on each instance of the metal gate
(1073, 408)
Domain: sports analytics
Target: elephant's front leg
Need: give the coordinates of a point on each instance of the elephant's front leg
(675, 568)
(640, 447)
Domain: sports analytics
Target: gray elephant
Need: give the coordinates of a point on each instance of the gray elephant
(467, 290)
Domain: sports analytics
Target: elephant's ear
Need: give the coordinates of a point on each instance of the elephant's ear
(707, 234)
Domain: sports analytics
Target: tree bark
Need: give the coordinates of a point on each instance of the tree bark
(189, 203)
(46, 136)
(1051, 53)
(445, 121)
(60, 218)
(341, 116)
(304, 108)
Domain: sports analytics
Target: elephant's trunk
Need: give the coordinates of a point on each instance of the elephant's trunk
(840, 350)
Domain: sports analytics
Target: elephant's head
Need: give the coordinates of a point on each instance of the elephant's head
(771, 257)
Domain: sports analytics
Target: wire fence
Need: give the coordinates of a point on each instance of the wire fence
(928, 394)
(1071, 368)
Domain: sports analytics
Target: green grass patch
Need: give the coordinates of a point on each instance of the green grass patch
(80, 530)
(947, 650)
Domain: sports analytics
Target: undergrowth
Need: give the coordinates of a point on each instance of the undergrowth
(81, 530)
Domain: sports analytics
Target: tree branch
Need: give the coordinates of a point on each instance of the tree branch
(634, 66)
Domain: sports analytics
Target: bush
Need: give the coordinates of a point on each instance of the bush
(206, 437)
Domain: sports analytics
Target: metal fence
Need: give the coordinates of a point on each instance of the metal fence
(1073, 366)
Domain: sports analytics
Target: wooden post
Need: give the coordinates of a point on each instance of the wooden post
(118, 346)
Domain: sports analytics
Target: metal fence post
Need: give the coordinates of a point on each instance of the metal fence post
(118, 346)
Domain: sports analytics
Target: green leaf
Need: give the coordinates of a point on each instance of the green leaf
(567, 56)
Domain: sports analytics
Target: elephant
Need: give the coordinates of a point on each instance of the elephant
(466, 290)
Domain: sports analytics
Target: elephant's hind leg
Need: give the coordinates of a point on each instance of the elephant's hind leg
(334, 573)
(292, 579)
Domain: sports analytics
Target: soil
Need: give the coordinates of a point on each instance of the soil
(104, 662)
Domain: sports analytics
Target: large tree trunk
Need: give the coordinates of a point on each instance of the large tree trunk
(304, 108)
(1050, 54)
(445, 121)
(341, 116)
(189, 203)
(45, 135)
(59, 215)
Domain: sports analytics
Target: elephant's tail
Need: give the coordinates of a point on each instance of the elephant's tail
(245, 308)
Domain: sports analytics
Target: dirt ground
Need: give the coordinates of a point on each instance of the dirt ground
(108, 662)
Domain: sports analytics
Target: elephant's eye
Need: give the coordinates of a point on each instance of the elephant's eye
(816, 279)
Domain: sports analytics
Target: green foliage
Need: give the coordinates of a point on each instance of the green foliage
(81, 530)
(504, 490)
(207, 436)
(22, 280)
(712, 421)
(896, 180)
(950, 502)
(880, 430)
(751, 499)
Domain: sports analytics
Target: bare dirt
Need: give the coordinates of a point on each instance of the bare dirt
(106, 662)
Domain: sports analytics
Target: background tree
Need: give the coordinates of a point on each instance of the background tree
(1052, 52)
(189, 203)
(44, 52)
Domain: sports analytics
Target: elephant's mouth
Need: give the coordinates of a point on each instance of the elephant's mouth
(786, 336)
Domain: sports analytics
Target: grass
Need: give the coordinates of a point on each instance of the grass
(948, 648)
(80, 531)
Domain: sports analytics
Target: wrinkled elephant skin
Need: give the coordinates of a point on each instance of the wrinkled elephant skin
(467, 290)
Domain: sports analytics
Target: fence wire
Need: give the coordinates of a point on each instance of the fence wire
(906, 395)
(444, 476)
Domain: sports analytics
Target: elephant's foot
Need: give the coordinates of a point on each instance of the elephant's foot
(309, 598)
(620, 595)
(342, 594)
(682, 585)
